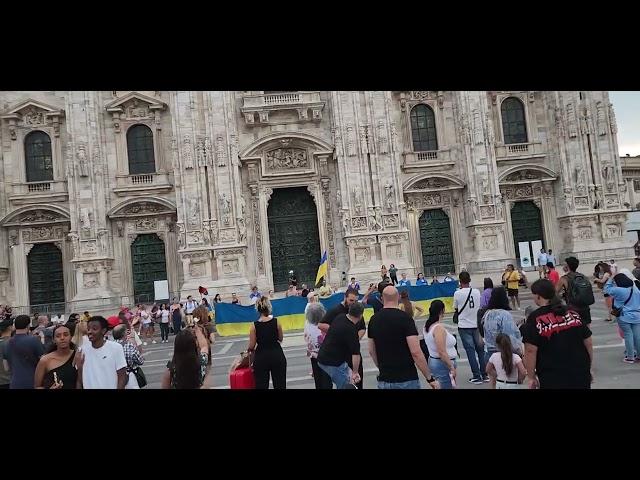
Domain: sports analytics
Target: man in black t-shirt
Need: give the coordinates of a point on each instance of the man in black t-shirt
(350, 297)
(558, 345)
(395, 348)
(341, 347)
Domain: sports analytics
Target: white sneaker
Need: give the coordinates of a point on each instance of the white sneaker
(154, 342)
(144, 343)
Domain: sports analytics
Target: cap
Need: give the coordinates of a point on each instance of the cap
(113, 321)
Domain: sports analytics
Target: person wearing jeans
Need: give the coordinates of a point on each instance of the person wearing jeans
(341, 346)
(466, 301)
(626, 297)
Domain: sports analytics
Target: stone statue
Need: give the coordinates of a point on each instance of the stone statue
(102, 241)
(242, 230)
(83, 168)
(346, 230)
(75, 243)
(225, 208)
(85, 219)
(181, 234)
(193, 212)
(243, 206)
(378, 218)
(388, 189)
(357, 199)
(609, 177)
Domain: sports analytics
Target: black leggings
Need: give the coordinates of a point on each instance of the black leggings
(270, 362)
(164, 331)
(394, 279)
(320, 377)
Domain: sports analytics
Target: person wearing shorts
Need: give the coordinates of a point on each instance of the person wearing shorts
(511, 279)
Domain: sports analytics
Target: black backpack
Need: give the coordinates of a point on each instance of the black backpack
(580, 291)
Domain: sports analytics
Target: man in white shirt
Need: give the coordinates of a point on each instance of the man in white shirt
(542, 262)
(101, 363)
(189, 307)
(551, 258)
(467, 302)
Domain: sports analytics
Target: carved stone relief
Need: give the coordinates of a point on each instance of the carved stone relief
(230, 267)
(362, 255)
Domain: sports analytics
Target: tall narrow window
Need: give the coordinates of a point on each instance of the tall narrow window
(37, 150)
(423, 129)
(514, 126)
(140, 150)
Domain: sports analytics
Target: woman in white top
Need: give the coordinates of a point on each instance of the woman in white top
(164, 323)
(442, 347)
(147, 327)
(313, 336)
(505, 368)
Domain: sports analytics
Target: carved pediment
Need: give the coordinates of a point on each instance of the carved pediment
(429, 183)
(38, 216)
(439, 181)
(521, 175)
(283, 159)
(525, 174)
(33, 114)
(135, 105)
(144, 208)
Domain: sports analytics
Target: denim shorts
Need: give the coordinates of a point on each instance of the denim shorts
(408, 385)
(440, 371)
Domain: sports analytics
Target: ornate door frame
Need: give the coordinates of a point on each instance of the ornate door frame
(433, 192)
(29, 226)
(269, 165)
(137, 216)
(530, 182)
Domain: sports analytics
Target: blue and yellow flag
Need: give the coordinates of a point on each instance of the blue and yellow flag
(322, 269)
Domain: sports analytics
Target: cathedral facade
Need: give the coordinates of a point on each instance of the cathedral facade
(104, 192)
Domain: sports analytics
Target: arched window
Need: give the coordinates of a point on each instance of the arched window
(140, 150)
(37, 152)
(423, 129)
(514, 126)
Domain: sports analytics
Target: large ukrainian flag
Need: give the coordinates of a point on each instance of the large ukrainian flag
(322, 269)
(232, 319)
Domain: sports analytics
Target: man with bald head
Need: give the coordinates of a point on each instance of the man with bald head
(395, 348)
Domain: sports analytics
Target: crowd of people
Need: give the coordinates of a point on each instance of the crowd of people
(94, 352)
(550, 348)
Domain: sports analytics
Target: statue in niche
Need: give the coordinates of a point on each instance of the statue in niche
(608, 175)
(357, 199)
(388, 189)
(225, 208)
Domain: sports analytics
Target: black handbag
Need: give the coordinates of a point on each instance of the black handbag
(140, 377)
(457, 313)
(617, 311)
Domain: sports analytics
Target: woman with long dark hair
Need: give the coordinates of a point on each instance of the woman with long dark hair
(486, 293)
(497, 320)
(626, 298)
(265, 336)
(442, 347)
(505, 368)
(187, 369)
(604, 274)
(217, 298)
(558, 345)
(420, 280)
(409, 307)
(56, 369)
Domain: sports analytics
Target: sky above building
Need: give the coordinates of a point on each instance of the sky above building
(627, 108)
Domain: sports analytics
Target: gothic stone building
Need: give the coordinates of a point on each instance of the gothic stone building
(104, 192)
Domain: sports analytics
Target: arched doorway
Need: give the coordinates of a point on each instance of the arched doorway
(526, 224)
(293, 236)
(46, 279)
(435, 243)
(148, 265)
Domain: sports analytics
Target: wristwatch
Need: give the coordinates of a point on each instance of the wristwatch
(431, 380)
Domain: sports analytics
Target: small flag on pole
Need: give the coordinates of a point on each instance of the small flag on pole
(322, 269)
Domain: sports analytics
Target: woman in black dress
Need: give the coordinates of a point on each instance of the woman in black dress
(56, 369)
(265, 337)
